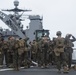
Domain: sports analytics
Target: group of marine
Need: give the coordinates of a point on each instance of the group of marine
(45, 52)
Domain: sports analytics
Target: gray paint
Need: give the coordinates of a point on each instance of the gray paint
(35, 24)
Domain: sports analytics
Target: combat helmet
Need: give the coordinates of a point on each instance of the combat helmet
(68, 35)
(58, 33)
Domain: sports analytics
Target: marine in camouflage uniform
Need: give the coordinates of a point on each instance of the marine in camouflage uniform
(59, 52)
(16, 63)
(51, 59)
(39, 52)
(34, 47)
(44, 52)
(20, 54)
(11, 41)
(27, 60)
(68, 48)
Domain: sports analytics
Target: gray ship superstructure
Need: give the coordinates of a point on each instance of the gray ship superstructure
(14, 22)
(35, 24)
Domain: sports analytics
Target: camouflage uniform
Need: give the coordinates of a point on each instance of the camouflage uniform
(16, 63)
(51, 54)
(44, 52)
(20, 54)
(39, 53)
(68, 48)
(27, 60)
(11, 41)
(59, 52)
(34, 48)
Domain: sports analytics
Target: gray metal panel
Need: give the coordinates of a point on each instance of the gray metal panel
(4, 17)
(35, 24)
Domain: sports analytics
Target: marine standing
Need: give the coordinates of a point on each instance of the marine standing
(44, 51)
(68, 48)
(59, 52)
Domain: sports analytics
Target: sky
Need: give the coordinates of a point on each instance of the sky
(58, 15)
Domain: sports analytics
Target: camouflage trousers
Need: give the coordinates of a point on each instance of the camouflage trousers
(34, 56)
(52, 58)
(9, 59)
(1, 58)
(44, 57)
(69, 52)
(20, 60)
(61, 60)
(27, 60)
(16, 60)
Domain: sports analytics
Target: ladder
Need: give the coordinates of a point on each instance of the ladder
(12, 24)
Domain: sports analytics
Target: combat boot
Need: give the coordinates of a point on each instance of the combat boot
(75, 67)
(65, 69)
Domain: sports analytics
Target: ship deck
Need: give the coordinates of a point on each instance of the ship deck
(34, 71)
